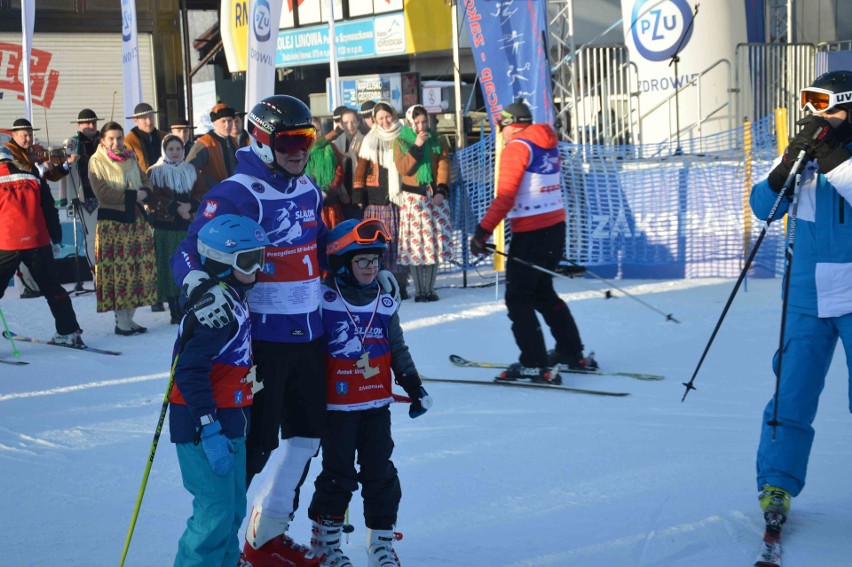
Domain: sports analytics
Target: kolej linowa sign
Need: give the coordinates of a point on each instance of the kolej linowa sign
(359, 39)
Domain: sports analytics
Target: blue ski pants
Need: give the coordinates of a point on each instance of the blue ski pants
(218, 508)
(809, 344)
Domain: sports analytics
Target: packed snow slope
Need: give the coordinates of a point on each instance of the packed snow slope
(491, 476)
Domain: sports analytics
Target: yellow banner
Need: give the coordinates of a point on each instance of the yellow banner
(234, 21)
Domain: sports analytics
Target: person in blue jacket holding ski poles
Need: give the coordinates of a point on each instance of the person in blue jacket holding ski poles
(819, 302)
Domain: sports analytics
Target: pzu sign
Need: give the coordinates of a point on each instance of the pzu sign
(660, 28)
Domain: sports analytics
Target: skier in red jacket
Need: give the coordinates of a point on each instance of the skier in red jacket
(529, 194)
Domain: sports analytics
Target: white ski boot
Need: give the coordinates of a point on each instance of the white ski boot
(325, 542)
(380, 552)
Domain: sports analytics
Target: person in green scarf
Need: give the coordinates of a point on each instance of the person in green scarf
(324, 169)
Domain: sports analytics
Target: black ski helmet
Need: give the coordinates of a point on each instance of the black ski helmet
(271, 116)
(836, 82)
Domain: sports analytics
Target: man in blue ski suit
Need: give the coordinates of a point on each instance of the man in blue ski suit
(820, 296)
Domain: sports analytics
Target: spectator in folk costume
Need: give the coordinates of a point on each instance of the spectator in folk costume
(376, 182)
(76, 185)
(424, 218)
(145, 139)
(324, 169)
(819, 302)
(347, 140)
(209, 415)
(181, 128)
(29, 222)
(365, 113)
(214, 154)
(126, 271)
(170, 211)
(529, 194)
(364, 345)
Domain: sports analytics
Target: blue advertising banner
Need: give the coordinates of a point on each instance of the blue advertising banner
(508, 40)
(356, 39)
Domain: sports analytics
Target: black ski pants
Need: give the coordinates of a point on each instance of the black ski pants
(367, 433)
(529, 290)
(41, 265)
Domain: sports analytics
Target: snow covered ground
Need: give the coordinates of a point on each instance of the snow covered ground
(491, 476)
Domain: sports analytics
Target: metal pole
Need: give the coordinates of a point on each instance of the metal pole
(575, 120)
(460, 135)
(332, 59)
(187, 62)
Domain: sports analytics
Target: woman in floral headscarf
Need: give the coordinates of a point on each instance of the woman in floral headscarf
(377, 176)
(170, 210)
(424, 218)
(125, 272)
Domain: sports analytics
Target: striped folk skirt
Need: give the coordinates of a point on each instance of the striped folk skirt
(125, 270)
(166, 242)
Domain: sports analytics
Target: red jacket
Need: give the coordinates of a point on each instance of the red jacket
(515, 166)
(28, 217)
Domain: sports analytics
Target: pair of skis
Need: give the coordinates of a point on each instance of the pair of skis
(465, 363)
(13, 336)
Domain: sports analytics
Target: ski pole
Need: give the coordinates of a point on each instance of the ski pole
(8, 335)
(793, 216)
(668, 316)
(782, 194)
(190, 320)
(150, 462)
(490, 248)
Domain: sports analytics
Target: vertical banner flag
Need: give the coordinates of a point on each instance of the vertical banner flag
(262, 45)
(130, 61)
(508, 41)
(27, 27)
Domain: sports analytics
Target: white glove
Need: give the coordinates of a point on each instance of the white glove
(211, 305)
(214, 309)
(57, 249)
(192, 280)
(389, 284)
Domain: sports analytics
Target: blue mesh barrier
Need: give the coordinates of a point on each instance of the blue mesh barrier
(649, 211)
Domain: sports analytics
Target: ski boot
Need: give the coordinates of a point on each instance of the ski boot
(775, 503)
(573, 362)
(325, 542)
(267, 544)
(516, 372)
(380, 552)
(73, 340)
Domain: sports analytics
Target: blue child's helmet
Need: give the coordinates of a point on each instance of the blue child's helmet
(232, 242)
(353, 237)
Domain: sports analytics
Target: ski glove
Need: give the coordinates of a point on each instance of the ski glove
(813, 129)
(211, 305)
(478, 240)
(218, 448)
(830, 150)
(421, 401)
(389, 284)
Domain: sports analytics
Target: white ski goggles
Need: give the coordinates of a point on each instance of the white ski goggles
(819, 100)
(245, 261)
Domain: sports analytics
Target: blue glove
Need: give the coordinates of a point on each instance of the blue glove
(218, 448)
(420, 403)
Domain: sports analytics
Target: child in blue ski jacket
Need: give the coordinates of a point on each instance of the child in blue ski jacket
(820, 297)
(213, 382)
